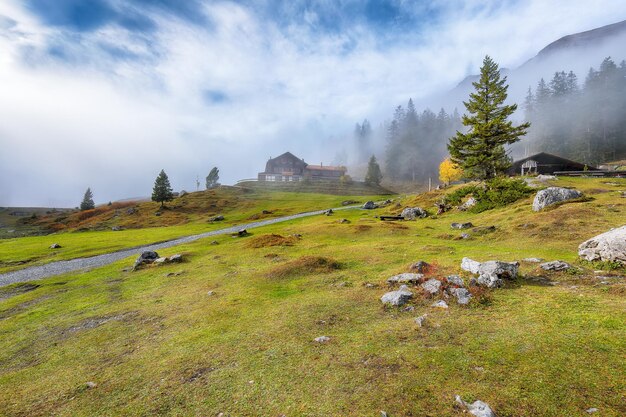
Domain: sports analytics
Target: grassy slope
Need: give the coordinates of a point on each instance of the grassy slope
(88, 236)
(158, 345)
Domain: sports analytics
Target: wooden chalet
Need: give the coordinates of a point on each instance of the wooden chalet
(545, 163)
(288, 167)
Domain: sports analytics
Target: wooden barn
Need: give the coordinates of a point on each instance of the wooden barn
(288, 167)
(545, 163)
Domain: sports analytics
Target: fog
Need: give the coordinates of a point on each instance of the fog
(108, 106)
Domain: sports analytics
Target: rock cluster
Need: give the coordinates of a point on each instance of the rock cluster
(491, 273)
(151, 257)
(553, 195)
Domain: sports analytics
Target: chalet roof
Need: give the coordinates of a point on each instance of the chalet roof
(325, 168)
(288, 154)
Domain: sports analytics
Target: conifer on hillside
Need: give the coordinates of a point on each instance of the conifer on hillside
(480, 152)
(162, 190)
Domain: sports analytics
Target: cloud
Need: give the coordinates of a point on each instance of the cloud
(107, 96)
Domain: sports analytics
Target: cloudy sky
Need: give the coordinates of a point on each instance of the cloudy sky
(106, 93)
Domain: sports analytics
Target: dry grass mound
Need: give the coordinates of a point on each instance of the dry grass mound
(306, 265)
(265, 241)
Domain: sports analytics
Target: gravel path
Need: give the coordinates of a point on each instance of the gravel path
(61, 267)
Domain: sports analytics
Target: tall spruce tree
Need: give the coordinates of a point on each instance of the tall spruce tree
(162, 190)
(480, 152)
(374, 176)
(87, 203)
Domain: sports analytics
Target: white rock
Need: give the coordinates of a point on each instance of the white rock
(455, 280)
(322, 339)
(462, 295)
(432, 286)
(478, 408)
(492, 273)
(407, 277)
(555, 266)
(397, 298)
(440, 304)
(553, 195)
(609, 246)
(470, 265)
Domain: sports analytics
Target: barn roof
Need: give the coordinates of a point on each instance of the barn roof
(543, 156)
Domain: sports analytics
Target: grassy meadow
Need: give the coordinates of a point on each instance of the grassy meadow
(231, 330)
(90, 233)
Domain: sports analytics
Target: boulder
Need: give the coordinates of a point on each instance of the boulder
(553, 195)
(432, 286)
(493, 273)
(405, 278)
(462, 295)
(609, 246)
(329, 212)
(146, 257)
(116, 228)
(440, 304)
(131, 210)
(369, 205)
(412, 213)
(460, 226)
(470, 265)
(159, 261)
(455, 280)
(419, 266)
(55, 246)
(218, 218)
(555, 266)
(477, 408)
(397, 298)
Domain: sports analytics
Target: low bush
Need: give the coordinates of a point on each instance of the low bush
(491, 194)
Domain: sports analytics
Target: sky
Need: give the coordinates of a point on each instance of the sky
(106, 93)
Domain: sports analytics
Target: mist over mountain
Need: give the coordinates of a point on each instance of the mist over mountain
(577, 112)
(577, 52)
(106, 94)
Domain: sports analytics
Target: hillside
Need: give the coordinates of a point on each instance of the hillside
(231, 330)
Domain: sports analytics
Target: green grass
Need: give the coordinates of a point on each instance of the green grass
(184, 216)
(158, 345)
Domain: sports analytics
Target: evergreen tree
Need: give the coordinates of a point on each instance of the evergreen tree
(162, 190)
(87, 203)
(374, 175)
(480, 152)
(212, 178)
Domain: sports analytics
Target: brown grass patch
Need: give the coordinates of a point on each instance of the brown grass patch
(362, 228)
(306, 265)
(265, 241)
